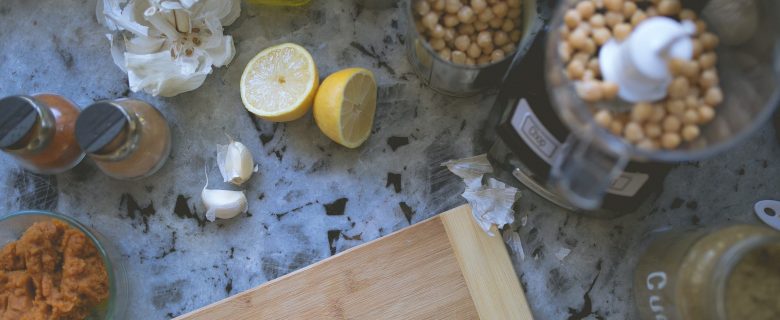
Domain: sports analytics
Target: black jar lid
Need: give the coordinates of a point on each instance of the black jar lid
(98, 125)
(18, 116)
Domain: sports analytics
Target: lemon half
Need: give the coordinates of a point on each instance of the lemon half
(279, 83)
(345, 105)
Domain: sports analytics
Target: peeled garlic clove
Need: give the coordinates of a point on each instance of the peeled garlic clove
(235, 162)
(223, 204)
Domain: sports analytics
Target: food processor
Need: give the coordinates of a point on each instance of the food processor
(546, 138)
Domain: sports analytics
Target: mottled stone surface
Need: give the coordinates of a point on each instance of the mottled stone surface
(313, 198)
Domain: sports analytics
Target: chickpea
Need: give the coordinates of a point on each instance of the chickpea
(458, 57)
(691, 116)
(679, 87)
(508, 48)
(653, 130)
(564, 30)
(470, 62)
(687, 14)
(564, 51)
(603, 118)
(629, 8)
(515, 36)
(508, 26)
(462, 43)
(483, 60)
(500, 9)
(690, 132)
(586, 9)
(445, 54)
(437, 31)
(478, 5)
(709, 41)
(707, 60)
(480, 26)
(572, 18)
(613, 18)
(513, 3)
(622, 31)
(597, 21)
(651, 12)
(633, 132)
(675, 107)
(449, 35)
(692, 101)
(430, 20)
(466, 14)
(706, 114)
(496, 23)
(584, 27)
(638, 17)
(437, 44)
(486, 15)
(669, 7)
(497, 55)
(452, 6)
(616, 127)
(450, 20)
(578, 39)
(658, 114)
(701, 26)
(691, 70)
(582, 57)
(676, 66)
(575, 70)
(713, 96)
(614, 5)
(593, 66)
(500, 38)
(708, 79)
(601, 35)
(438, 5)
(589, 75)
(466, 29)
(513, 13)
(598, 3)
(422, 8)
(474, 51)
(671, 124)
(484, 38)
(609, 89)
(641, 112)
(589, 91)
(488, 49)
(670, 140)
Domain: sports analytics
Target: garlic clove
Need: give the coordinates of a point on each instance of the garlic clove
(223, 204)
(235, 162)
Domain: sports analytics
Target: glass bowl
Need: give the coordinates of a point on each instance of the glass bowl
(15, 224)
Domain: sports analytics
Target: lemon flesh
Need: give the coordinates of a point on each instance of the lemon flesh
(345, 105)
(279, 83)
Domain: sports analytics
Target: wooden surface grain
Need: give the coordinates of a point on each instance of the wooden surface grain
(415, 273)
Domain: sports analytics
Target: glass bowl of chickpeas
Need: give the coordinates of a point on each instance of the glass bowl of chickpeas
(462, 47)
(716, 99)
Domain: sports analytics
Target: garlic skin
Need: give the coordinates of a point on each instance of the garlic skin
(166, 46)
(223, 204)
(235, 162)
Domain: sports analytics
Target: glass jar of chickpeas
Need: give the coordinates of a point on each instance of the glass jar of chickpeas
(718, 85)
(461, 47)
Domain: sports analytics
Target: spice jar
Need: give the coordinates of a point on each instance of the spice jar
(731, 273)
(128, 139)
(39, 132)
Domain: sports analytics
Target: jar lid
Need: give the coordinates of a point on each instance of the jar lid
(18, 116)
(98, 125)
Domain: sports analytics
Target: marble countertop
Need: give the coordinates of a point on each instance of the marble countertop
(311, 197)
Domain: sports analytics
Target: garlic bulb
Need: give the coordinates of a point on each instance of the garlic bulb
(235, 162)
(166, 46)
(223, 204)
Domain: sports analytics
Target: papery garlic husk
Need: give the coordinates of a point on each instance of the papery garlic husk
(223, 204)
(235, 162)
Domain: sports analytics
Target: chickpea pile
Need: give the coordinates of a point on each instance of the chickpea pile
(470, 32)
(691, 97)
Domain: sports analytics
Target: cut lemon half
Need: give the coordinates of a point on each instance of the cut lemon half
(279, 83)
(345, 105)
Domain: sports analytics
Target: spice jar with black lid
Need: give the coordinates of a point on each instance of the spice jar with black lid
(128, 139)
(39, 132)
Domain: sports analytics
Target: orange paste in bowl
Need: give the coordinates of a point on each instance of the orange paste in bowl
(52, 272)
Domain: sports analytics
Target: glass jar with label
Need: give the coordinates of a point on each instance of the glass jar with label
(128, 139)
(38, 131)
(732, 273)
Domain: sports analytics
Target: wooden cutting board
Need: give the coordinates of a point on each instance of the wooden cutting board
(445, 267)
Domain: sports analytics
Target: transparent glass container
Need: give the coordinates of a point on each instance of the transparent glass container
(731, 273)
(592, 158)
(15, 224)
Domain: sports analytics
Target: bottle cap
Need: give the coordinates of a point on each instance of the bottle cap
(98, 125)
(18, 116)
